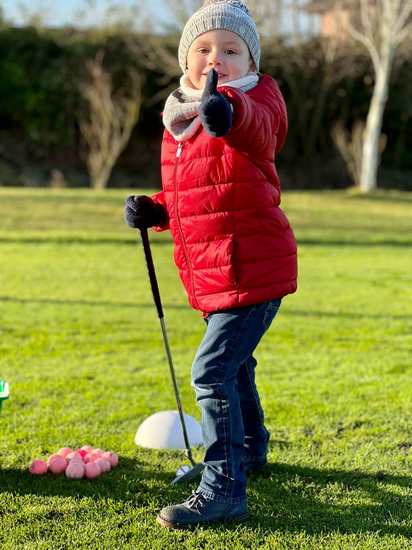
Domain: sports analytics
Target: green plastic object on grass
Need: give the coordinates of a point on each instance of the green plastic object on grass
(4, 392)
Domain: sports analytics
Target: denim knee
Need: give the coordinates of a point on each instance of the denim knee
(210, 391)
(207, 373)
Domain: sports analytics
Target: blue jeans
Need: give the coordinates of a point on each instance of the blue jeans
(223, 376)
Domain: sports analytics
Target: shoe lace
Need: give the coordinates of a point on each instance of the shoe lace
(196, 501)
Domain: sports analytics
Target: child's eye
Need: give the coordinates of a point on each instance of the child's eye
(231, 52)
(203, 50)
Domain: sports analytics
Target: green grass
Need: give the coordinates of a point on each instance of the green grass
(80, 344)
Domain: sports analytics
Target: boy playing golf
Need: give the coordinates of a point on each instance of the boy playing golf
(233, 245)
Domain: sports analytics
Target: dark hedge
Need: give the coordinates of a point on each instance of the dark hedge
(40, 107)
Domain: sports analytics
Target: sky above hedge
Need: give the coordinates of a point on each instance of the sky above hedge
(76, 12)
(68, 11)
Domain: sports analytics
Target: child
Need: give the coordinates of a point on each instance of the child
(233, 246)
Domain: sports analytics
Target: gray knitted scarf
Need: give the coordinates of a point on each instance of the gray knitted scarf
(181, 113)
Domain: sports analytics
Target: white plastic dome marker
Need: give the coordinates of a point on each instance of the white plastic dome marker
(163, 430)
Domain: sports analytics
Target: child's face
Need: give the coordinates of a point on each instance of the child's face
(221, 50)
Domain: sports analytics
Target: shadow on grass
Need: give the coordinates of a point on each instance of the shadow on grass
(343, 315)
(355, 243)
(283, 498)
(295, 498)
(132, 482)
(98, 241)
(129, 305)
(82, 241)
(91, 303)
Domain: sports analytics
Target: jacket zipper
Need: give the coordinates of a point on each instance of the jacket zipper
(178, 155)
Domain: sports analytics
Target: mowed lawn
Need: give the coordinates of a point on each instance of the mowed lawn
(81, 347)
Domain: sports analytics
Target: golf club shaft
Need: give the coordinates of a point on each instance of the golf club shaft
(158, 302)
(178, 402)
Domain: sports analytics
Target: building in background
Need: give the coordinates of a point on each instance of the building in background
(333, 17)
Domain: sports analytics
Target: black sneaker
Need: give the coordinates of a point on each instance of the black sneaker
(198, 510)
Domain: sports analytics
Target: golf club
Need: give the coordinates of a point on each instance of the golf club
(196, 469)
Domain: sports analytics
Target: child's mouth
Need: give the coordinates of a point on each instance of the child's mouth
(219, 75)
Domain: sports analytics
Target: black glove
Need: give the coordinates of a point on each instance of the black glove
(142, 212)
(215, 110)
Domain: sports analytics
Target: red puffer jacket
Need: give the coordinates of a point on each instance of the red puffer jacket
(233, 244)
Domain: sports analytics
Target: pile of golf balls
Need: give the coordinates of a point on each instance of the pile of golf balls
(88, 462)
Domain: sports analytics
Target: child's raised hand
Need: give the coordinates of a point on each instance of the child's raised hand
(215, 110)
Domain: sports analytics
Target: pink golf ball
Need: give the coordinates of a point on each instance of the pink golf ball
(92, 457)
(104, 465)
(74, 456)
(92, 470)
(57, 464)
(112, 458)
(65, 451)
(38, 467)
(96, 454)
(52, 457)
(75, 470)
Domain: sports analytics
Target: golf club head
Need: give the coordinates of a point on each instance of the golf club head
(189, 474)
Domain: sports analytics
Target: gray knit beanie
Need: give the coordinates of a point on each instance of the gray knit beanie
(228, 15)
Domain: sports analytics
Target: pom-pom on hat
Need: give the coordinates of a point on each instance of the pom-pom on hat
(228, 15)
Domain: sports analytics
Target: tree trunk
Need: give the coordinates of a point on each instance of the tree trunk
(371, 153)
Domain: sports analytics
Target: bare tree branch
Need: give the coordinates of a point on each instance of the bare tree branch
(367, 42)
(402, 22)
(110, 121)
(366, 19)
(403, 34)
(349, 145)
(384, 25)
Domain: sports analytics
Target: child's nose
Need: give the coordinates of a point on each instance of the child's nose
(215, 58)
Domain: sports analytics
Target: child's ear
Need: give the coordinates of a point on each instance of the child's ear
(252, 65)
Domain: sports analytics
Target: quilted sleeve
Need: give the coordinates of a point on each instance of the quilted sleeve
(159, 198)
(259, 123)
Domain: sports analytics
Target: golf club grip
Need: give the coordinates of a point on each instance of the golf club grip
(151, 271)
